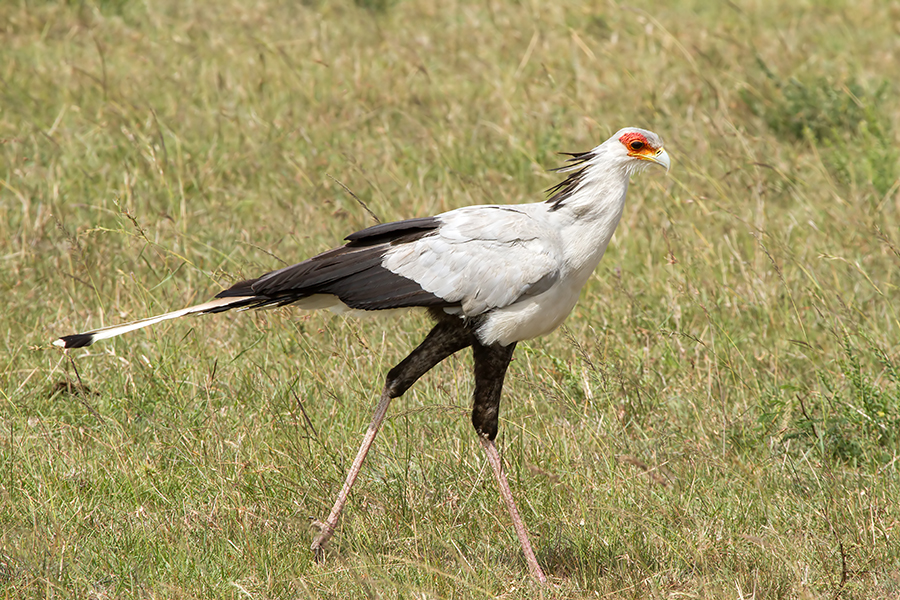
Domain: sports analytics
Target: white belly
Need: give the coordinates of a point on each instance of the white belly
(532, 317)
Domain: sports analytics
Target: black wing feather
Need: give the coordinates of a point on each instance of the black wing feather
(352, 272)
(389, 231)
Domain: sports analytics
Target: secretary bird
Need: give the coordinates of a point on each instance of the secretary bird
(490, 276)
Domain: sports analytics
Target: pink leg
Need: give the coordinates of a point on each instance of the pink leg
(447, 337)
(331, 522)
(518, 524)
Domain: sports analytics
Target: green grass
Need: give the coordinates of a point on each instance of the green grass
(719, 417)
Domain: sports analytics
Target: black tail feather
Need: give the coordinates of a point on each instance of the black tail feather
(77, 340)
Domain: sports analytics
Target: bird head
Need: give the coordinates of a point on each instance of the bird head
(638, 149)
(629, 151)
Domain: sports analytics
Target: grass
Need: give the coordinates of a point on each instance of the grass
(718, 418)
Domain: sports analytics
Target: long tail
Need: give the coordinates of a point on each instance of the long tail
(349, 277)
(79, 340)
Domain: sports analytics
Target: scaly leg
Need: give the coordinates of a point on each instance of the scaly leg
(447, 337)
(518, 524)
(327, 529)
(491, 363)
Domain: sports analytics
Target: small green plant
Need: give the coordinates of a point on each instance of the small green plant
(858, 417)
(377, 6)
(844, 119)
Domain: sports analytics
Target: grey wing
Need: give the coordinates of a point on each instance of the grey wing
(482, 257)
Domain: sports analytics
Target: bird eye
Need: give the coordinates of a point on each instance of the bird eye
(636, 145)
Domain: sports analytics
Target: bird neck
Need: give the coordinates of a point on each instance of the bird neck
(589, 217)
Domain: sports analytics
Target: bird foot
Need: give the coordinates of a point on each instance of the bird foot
(325, 533)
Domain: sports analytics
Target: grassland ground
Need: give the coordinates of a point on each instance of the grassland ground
(718, 418)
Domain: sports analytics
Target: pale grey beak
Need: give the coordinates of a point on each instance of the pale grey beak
(662, 159)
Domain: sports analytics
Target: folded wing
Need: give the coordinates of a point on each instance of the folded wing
(481, 258)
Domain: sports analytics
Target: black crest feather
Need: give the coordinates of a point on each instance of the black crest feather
(565, 188)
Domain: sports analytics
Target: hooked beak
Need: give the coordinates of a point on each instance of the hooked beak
(661, 158)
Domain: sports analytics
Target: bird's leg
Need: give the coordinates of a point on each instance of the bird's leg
(447, 337)
(327, 528)
(518, 524)
(490, 370)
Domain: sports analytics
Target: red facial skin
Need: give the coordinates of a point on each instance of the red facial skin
(636, 143)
